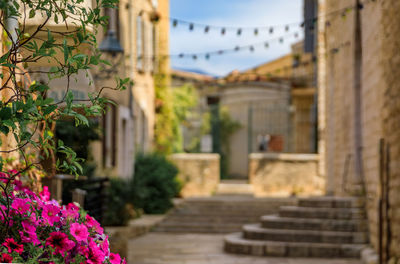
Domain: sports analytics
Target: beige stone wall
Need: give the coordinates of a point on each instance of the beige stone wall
(273, 174)
(199, 173)
(390, 112)
(337, 98)
(238, 99)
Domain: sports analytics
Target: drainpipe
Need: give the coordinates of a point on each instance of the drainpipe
(359, 185)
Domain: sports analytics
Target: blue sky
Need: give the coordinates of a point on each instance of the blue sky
(239, 13)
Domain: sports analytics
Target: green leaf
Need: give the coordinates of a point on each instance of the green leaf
(32, 13)
(81, 119)
(5, 113)
(4, 129)
(49, 109)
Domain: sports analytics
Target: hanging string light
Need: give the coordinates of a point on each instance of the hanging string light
(207, 55)
(271, 29)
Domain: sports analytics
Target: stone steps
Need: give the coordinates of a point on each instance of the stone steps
(256, 232)
(235, 243)
(219, 214)
(198, 227)
(332, 202)
(274, 221)
(317, 227)
(322, 213)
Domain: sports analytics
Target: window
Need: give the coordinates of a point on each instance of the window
(153, 41)
(109, 141)
(139, 43)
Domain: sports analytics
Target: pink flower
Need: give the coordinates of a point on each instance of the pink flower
(5, 258)
(13, 246)
(29, 234)
(45, 194)
(60, 242)
(71, 211)
(115, 258)
(79, 232)
(95, 256)
(20, 205)
(91, 223)
(50, 212)
(105, 246)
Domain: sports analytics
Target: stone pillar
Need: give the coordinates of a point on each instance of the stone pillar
(322, 96)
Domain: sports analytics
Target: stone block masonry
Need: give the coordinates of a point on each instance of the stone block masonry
(379, 99)
(273, 174)
(199, 173)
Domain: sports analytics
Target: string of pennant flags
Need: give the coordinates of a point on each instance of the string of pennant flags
(209, 54)
(288, 29)
(257, 30)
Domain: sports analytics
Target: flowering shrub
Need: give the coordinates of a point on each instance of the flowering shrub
(39, 230)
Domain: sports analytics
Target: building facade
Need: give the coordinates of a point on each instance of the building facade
(273, 103)
(134, 41)
(141, 28)
(359, 108)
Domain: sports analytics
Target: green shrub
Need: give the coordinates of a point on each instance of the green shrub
(154, 183)
(119, 209)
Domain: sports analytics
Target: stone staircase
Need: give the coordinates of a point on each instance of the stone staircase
(219, 214)
(326, 227)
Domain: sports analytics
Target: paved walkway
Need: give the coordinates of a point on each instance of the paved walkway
(169, 248)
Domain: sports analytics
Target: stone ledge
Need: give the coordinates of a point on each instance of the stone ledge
(285, 156)
(369, 256)
(195, 156)
(120, 235)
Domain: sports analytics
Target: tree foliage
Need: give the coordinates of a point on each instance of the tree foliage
(61, 35)
(185, 99)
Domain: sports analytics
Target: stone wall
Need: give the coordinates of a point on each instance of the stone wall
(199, 173)
(273, 174)
(390, 112)
(378, 98)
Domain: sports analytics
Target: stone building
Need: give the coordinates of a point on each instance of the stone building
(359, 105)
(142, 30)
(136, 36)
(272, 102)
